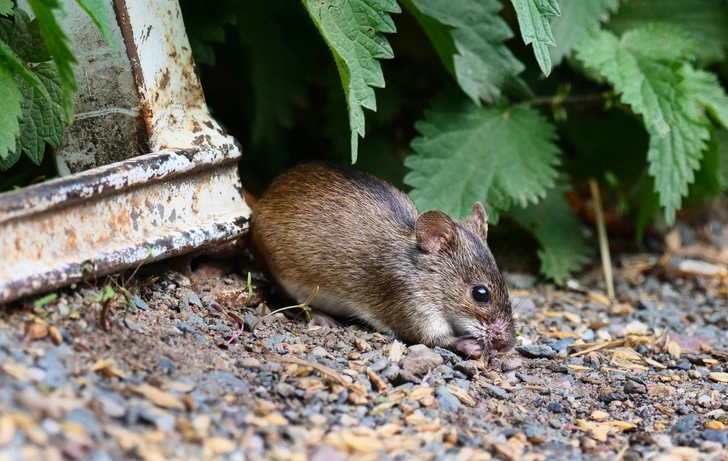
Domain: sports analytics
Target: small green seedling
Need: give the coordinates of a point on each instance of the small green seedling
(45, 300)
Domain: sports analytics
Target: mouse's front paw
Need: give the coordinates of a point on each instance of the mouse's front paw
(323, 321)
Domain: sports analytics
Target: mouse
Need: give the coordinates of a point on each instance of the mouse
(422, 277)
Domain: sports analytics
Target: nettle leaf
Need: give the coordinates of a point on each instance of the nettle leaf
(576, 17)
(354, 31)
(468, 36)
(533, 19)
(645, 66)
(10, 112)
(42, 121)
(706, 20)
(564, 250)
(499, 156)
(57, 43)
(100, 11)
(707, 185)
(14, 62)
(7, 8)
(721, 136)
(707, 91)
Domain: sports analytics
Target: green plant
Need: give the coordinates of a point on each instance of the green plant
(624, 92)
(37, 81)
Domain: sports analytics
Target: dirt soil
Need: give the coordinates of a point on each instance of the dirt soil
(642, 377)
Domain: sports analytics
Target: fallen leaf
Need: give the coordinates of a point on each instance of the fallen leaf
(376, 381)
(158, 397)
(461, 394)
(396, 351)
(673, 348)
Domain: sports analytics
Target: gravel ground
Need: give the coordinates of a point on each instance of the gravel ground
(645, 377)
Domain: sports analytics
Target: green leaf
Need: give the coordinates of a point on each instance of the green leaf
(205, 25)
(13, 61)
(42, 122)
(645, 66)
(533, 19)
(7, 8)
(576, 17)
(100, 11)
(502, 157)
(707, 91)
(10, 111)
(354, 31)
(721, 136)
(553, 223)
(706, 20)
(707, 185)
(56, 41)
(468, 36)
(45, 300)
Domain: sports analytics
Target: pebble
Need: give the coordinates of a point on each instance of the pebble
(497, 392)
(420, 359)
(632, 387)
(285, 390)
(166, 365)
(608, 397)
(511, 363)
(446, 400)
(561, 344)
(535, 351)
(555, 407)
(140, 303)
(112, 404)
(704, 400)
(467, 367)
(685, 424)
(714, 435)
(379, 364)
(319, 352)
(250, 321)
(86, 419)
(132, 325)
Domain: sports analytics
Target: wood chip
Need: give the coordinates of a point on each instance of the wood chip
(326, 371)
(673, 348)
(362, 345)
(158, 397)
(376, 381)
(599, 298)
(219, 445)
(598, 415)
(37, 329)
(17, 371)
(55, 335)
(106, 368)
(461, 394)
(420, 392)
(178, 386)
(7, 429)
(396, 351)
(720, 377)
(717, 425)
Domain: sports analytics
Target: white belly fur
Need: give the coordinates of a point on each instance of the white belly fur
(335, 306)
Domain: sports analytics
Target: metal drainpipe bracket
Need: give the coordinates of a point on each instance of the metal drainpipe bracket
(185, 195)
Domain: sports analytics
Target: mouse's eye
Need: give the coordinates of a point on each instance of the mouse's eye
(480, 294)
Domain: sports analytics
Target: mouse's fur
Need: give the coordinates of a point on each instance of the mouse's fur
(377, 259)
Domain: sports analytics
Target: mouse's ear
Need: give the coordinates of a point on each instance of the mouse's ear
(479, 220)
(433, 230)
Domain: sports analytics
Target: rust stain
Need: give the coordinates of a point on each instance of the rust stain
(164, 80)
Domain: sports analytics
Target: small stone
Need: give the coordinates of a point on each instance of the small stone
(379, 365)
(420, 359)
(248, 362)
(555, 407)
(285, 390)
(497, 392)
(710, 447)
(220, 327)
(140, 303)
(319, 352)
(113, 405)
(609, 397)
(196, 320)
(631, 387)
(511, 363)
(467, 367)
(391, 373)
(686, 424)
(85, 418)
(534, 434)
(588, 336)
(562, 344)
(166, 365)
(250, 321)
(446, 400)
(535, 351)
(704, 400)
(713, 435)
(132, 325)
(694, 374)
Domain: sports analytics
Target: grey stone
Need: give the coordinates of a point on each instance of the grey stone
(467, 367)
(715, 435)
(166, 365)
(555, 407)
(112, 404)
(56, 373)
(195, 320)
(319, 352)
(420, 359)
(85, 418)
(285, 390)
(250, 321)
(380, 364)
(446, 400)
(132, 325)
(631, 387)
(534, 351)
(497, 392)
(220, 327)
(140, 303)
(685, 424)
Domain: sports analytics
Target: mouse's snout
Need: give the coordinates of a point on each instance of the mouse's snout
(499, 335)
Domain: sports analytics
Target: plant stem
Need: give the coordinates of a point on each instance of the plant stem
(557, 99)
(603, 242)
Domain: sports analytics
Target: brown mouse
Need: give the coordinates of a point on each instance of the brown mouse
(424, 277)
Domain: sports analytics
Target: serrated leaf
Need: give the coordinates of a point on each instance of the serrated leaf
(468, 36)
(10, 112)
(564, 250)
(722, 139)
(706, 20)
(533, 19)
(707, 91)
(499, 156)
(9, 58)
(645, 66)
(707, 185)
(100, 11)
(354, 30)
(7, 8)
(56, 41)
(576, 17)
(42, 122)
